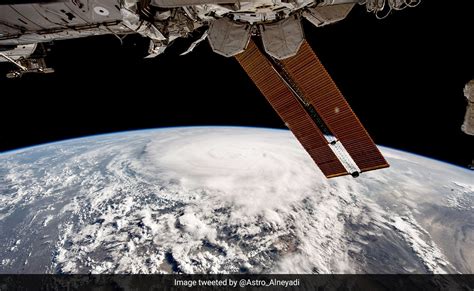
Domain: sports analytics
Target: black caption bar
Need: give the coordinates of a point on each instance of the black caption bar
(237, 282)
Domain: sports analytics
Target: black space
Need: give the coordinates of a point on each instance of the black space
(403, 76)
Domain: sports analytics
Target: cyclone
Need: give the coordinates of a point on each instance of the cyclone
(226, 200)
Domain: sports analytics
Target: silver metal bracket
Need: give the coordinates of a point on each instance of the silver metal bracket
(24, 66)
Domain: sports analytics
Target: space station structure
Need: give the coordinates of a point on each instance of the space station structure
(468, 125)
(265, 36)
(230, 23)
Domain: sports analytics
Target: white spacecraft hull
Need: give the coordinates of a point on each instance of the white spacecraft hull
(468, 126)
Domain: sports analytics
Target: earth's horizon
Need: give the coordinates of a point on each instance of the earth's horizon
(221, 199)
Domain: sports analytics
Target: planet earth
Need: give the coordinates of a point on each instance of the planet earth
(226, 200)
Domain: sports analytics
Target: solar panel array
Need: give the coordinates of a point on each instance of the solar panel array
(306, 98)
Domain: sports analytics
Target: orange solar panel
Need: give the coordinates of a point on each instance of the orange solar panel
(286, 104)
(319, 89)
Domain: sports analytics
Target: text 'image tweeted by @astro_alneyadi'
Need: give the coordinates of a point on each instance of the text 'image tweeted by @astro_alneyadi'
(236, 144)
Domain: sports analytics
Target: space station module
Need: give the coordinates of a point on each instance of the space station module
(468, 126)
